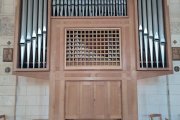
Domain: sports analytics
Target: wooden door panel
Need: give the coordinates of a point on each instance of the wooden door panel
(86, 100)
(72, 100)
(100, 100)
(114, 100)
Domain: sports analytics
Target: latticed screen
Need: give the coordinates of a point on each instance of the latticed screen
(93, 47)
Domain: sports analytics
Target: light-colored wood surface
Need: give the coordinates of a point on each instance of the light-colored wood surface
(132, 97)
(86, 100)
(115, 100)
(100, 100)
(93, 100)
(72, 104)
(16, 34)
(94, 92)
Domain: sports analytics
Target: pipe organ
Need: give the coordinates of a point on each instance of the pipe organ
(92, 52)
(33, 36)
(152, 38)
(89, 7)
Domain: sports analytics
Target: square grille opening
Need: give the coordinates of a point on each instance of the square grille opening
(93, 48)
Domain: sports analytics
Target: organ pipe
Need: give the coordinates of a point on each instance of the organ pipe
(33, 37)
(152, 39)
(89, 8)
(23, 32)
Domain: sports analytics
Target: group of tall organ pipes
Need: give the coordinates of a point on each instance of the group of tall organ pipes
(89, 7)
(33, 35)
(33, 38)
(152, 40)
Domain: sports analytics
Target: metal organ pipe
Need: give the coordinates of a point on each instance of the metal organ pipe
(54, 7)
(33, 37)
(34, 33)
(40, 17)
(150, 30)
(23, 32)
(152, 40)
(145, 30)
(61, 7)
(156, 33)
(58, 7)
(89, 7)
(29, 31)
(44, 32)
(76, 7)
(92, 7)
(140, 33)
(161, 32)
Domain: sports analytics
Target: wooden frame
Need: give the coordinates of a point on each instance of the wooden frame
(7, 54)
(119, 66)
(58, 97)
(59, 74)
(176, 53)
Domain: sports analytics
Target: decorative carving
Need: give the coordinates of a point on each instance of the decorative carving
(176, 53)
(7, 70)
(7, 54)
(9, 42)
(174, 41)
(176, 68)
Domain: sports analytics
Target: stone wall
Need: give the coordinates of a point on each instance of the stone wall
(32, 99)
(7, 81)
(21, 98)
(7, 96)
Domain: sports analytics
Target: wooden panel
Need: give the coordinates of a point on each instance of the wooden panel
(86, 100)
(100, 100)
(57, 99)
(72, 100)
(132, 99)
(114, 100)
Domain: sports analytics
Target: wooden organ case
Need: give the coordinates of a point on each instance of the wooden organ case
(93, 52)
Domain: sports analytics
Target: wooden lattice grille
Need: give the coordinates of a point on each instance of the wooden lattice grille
(93, 48)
